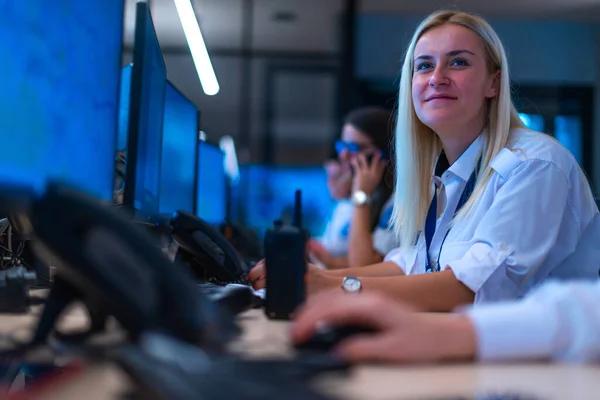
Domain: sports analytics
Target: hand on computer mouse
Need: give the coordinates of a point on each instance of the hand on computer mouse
(399, 335)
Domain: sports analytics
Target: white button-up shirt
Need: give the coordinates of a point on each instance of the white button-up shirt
(560, 321)
(337, 233)
(528, 219)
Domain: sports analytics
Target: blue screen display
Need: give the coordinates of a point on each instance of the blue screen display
(266, 194)
(146, 113)
(124, 107)
(179, 146)
(59, 92)
(211, 201)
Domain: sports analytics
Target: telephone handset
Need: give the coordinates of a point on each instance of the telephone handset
(210, 256)
(117, 270)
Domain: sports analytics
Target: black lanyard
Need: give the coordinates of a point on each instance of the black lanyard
(430, 222)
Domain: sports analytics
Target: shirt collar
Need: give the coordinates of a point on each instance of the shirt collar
(466, 163)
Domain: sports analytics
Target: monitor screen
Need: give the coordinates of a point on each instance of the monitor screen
(179, 147)
(146, 112)
(266, 193)
(59, 93)
(124, 95)
(211, 197)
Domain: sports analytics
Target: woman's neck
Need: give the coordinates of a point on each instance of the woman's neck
(456, 143)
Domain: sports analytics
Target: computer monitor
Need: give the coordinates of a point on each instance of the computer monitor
(266, 193)
(59, 91)
(179, 153)
(124, 96)
(211, 201)
(146, 113)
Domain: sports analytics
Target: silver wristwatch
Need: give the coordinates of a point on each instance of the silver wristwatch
(359, 198)
(351, 284)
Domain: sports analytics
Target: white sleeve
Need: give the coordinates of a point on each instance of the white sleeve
(331, 238)
(383, 240)
(559, 321)
(405, 259)
(514, 236)
(326, 239)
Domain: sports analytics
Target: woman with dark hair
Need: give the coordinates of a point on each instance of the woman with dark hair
(359, 231)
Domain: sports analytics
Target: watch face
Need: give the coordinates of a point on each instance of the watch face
(359, 197)
(351, 285)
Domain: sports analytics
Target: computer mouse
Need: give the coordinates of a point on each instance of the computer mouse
(327, 337)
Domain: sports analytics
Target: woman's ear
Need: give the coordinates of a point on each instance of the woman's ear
(494, 86)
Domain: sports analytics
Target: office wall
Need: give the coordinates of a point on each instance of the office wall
(221, 114)
(539, 52)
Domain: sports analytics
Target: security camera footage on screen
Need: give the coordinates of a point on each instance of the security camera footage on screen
(59, 91)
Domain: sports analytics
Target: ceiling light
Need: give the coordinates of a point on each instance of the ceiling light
(195, 41)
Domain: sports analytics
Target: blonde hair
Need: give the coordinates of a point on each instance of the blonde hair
(418, 147)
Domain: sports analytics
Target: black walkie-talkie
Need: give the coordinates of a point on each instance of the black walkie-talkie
(285, 259)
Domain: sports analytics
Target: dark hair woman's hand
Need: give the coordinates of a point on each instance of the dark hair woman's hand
(339, 179)
(368, 175)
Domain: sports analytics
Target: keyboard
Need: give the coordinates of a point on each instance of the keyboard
(210, 289)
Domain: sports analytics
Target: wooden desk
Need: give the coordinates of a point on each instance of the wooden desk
(266, 338)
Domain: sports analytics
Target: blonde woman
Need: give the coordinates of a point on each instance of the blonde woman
(484, 209)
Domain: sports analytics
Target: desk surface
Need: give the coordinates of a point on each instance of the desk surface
(267, 338)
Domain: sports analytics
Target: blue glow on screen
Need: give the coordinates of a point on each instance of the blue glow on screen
(211, 201)
(125, 92)
(568, 131)
(267, 194)
(150, 97)
(178, 166)
(59, 91)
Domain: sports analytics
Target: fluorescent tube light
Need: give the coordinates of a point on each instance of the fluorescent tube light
(195, 41)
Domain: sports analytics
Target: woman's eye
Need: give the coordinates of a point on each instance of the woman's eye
(459, 63)
(423, 66)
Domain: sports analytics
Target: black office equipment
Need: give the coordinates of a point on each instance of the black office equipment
(14, 290)
(115, 270)
(206, 252)
(145, 121)
(244, 239)
(236, 298)
(164, 369)
(286, 259)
